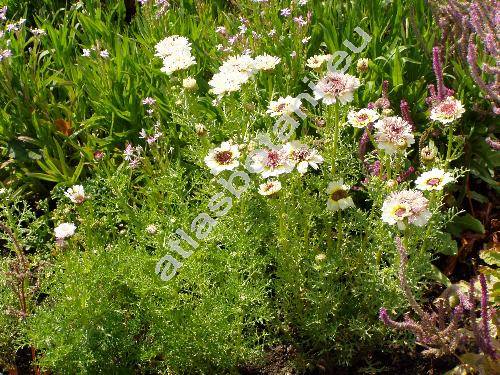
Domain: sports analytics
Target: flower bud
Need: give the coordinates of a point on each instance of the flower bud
(362, 65)
(151, 229)
(320, 257)
(200, 130)
(387, 112)
(190, 84)
(428, 154)
(391, 183)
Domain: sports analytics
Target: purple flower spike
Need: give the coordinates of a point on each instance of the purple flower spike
(485, 319)
(438, 71)
(405, 113)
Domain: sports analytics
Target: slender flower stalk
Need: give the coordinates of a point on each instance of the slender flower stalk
(405, 113)
(21, 272)
(335, 136)
(450, 145)
(363, 142)
(485, 319)
(438, 71)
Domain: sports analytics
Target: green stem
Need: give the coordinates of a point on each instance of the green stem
(335, 136)
(388, 166)
(329, 235)
(425, 243)
(340, 232)
(450, 145)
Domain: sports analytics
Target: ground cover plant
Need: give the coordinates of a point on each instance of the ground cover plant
(255, 187)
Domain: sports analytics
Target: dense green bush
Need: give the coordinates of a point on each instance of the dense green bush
(267, 273)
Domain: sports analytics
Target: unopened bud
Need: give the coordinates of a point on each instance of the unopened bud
(391, 183)
(190, 84)
(428, 154)
(362, 65)
(200, 129)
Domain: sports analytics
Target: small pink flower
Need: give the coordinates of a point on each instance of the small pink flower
(300, 21)
(285, 12)
(148, 101)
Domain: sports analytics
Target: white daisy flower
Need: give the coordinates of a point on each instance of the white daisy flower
(316, 61)
(177, 62)
(232, 74)
(223, 158)
(303, 156)
(447, 111)
(266, 62)
(287, 105)
(241, 63)
(338, 196)
(393, 134)
(363, 117)
(175, 51)
(172, 45)
(64, 230)
(269, 187)
(76, 194)
(406, 207)
(335, 87)
(435, 179)
(227, 82)
(272, 162)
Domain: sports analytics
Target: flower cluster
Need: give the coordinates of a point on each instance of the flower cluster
(149, 103)
(4, 54)
(237, 70)
(160, 5)
(444, 107)
(3, 13)
(86, 52)
(471, 27)
(175, 51)
(133, 155)
(15, 26)
(38, 32)
(271, 162)
(268, 162)
(151, 138)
